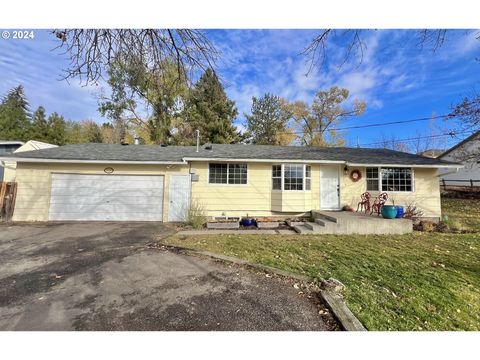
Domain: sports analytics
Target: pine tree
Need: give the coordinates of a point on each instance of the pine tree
(40, 125)
(14, 116)
(210, 111)
(268, 122)
(57, 129)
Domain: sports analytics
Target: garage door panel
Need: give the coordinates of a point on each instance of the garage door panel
(109, 217)
(105, 207)
(106, 197)
(87, 192)
(99, 184)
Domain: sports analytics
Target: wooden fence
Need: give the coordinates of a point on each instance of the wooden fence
(8, 194)
(468, 183)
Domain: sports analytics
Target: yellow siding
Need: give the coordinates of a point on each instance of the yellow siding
(34, 182)
(255, 198)
(426, 195)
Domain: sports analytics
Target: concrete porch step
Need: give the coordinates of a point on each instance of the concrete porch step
(314, 226)
(323, 216)
(303, 229)
(353, 223)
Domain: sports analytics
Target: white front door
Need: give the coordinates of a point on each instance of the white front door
(179, 196)
(329, 187)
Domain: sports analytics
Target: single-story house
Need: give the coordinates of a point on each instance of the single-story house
(466, 152)
(158, 183)
(9, 167)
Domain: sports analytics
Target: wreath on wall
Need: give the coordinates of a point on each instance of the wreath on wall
(355, 175)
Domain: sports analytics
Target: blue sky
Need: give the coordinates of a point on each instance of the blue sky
(395, 78)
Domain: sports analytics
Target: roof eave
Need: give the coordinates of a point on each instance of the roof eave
(432, 166)
(81, 161)
(302, 161)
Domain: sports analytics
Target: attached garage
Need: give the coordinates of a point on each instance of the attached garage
(106, 197)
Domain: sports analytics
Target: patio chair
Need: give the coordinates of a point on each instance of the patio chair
(364, 204)
(380, 200)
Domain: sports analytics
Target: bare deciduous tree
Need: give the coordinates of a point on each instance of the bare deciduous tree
(355, 45)
(92, 51)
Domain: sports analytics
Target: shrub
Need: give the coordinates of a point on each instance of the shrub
(196, 216)
(411, 212)
(427, 226)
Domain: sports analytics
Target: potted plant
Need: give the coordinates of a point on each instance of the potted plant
(400, 212)
(247, 221)
(389, 211)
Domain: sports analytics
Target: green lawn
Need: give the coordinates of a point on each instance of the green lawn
(420, 281)
(464, 212)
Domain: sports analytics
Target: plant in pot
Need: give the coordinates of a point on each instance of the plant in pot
(400, 212)
(389, 211)
(247, 221)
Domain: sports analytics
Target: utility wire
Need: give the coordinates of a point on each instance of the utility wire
(390, 123)
(451, 133)
(370, 125)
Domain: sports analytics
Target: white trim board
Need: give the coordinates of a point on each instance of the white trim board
(186, 160)
(32, 160)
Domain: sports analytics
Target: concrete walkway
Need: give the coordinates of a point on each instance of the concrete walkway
(237, 232)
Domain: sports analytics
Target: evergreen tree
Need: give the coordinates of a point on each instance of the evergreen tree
(57, 129)
(40, 125)
(210, 111)
(14, 116)
(269, 120)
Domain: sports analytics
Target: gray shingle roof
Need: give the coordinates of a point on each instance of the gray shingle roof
(145, 153)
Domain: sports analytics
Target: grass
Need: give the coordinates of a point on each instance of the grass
(419, 281)
(463, 213)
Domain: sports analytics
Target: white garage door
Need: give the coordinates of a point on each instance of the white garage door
(106, 197)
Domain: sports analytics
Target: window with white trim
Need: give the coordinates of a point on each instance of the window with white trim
(293, 177)
(277, 177)
(397, 179)
(308, 177)
(389, 179)
(231, 174)
(297, 177)
(372, 179)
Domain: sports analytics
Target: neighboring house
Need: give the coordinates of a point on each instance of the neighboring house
(156, 183)
(466, 152)
(433, 153)
(9, 167)
(7, 147)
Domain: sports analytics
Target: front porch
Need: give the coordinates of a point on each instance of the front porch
(346, 222)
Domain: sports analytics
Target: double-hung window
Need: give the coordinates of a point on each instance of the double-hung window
(372, 179)
(389, 179)
(277, 177)
(231, 174)
(291, 177)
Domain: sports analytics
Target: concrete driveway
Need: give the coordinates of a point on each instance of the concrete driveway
(101, 276)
